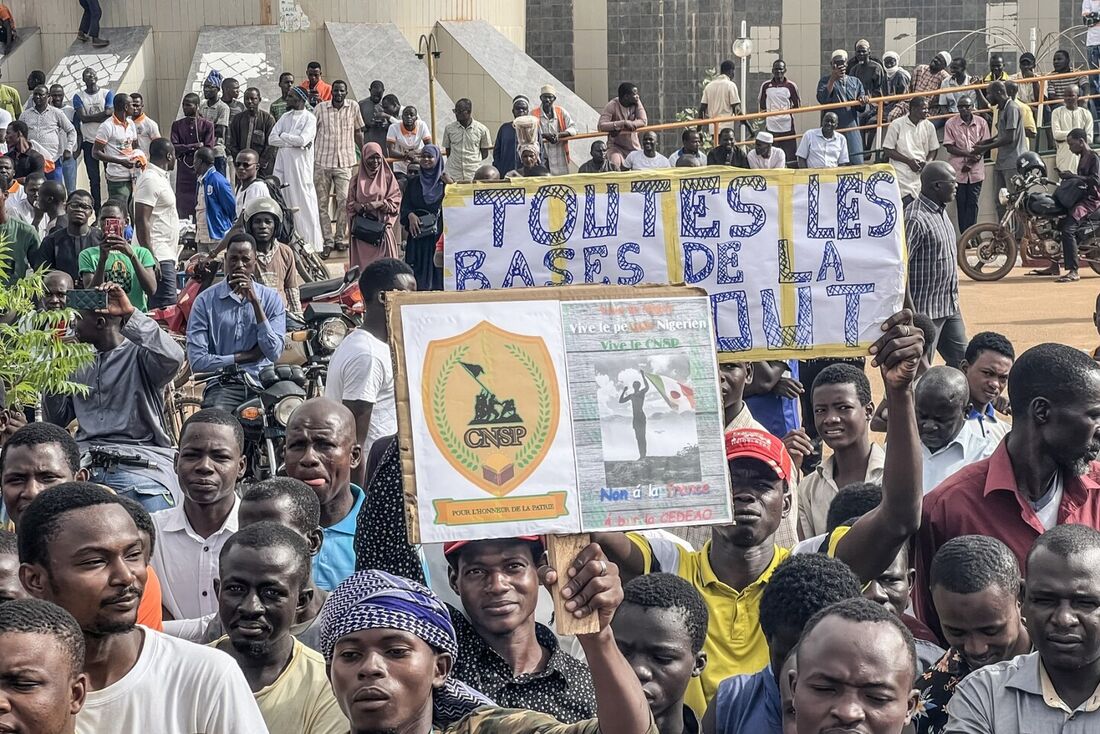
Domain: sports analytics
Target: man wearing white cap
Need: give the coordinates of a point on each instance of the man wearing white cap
(555, 125)
(837, 86)
(764, 155)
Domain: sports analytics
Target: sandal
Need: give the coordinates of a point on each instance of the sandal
(1045, 272)
(1070, 277)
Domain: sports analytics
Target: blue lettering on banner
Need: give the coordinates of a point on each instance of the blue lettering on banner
(743, 341)
(637, 274)
(565, 253)
(851, 293)
(813, 206)
(733, 198)
(693, 206)
(831, 259)
(729, 272)
(691, 274)
(518, 269)
(591, 229)
(499, 199)
(785, 273)
(468, 265)
(888, 208)
(788, 336)
(650, 188)
(593, 267)
(847, 215)
(534, 221)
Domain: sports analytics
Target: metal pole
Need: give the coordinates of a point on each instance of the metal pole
(431, 95)
(744, 78)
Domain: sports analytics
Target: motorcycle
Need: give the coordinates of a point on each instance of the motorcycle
(1030, 229)
(277, 393)
(324, 326)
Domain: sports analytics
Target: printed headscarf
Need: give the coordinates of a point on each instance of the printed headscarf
(214, 78)
(379, 600)
(431, 179)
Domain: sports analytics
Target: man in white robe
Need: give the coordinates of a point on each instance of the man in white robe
(293, 135)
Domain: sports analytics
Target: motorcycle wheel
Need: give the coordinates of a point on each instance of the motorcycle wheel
(987, 251)
(310, 265)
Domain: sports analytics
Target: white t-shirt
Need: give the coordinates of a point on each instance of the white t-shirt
(361, 368)
(92, 104)
(147, 131)
(256, 190)
(175, 687)
(639, 161)
(1048, 512)
(154, 189)
(913, 140)
(119, 141)
(720, 95)
(404, 142)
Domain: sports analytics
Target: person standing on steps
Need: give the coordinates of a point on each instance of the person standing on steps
(89, 24)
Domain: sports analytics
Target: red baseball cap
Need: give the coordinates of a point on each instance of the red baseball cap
(751, 443)
(449, 548)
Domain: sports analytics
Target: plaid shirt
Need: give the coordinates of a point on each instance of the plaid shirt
(335, 143)
(933, 274)
(924, 80)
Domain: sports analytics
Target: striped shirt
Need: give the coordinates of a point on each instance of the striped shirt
(335, 143)
(933, 276)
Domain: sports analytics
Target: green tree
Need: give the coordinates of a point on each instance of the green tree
(33, 359)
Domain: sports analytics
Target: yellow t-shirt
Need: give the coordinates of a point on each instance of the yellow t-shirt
(300, 701)
(735, 644)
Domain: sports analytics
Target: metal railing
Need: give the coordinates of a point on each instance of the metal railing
(715, 123)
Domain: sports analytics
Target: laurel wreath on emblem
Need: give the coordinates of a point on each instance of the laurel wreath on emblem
(542, 425)
(458, 449)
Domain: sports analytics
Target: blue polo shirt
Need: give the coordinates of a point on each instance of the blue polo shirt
(336, 561)
(749, 703)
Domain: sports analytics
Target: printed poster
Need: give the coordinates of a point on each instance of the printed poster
(647, 413)
(491, 424)
(534, 417)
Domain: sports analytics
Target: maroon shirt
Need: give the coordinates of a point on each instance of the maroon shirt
(983, 499)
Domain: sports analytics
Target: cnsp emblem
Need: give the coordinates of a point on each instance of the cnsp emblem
(492, 404)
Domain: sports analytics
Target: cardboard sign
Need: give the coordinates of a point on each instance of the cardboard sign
(798, 264)
(557, 411)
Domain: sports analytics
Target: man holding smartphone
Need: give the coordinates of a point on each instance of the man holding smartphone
(235, 322)
(122, 409)
(132, 266)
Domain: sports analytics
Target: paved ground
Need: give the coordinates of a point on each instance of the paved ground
(1030, 311)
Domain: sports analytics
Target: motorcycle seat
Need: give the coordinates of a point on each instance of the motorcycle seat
(316, 289)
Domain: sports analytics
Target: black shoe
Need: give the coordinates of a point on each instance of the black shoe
(326, 251)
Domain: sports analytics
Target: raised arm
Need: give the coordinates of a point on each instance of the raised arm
(595, 587)
(873, 541)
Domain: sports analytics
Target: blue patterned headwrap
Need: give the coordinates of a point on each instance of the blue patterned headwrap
(302, 94)
(214, 78)
(376, 599)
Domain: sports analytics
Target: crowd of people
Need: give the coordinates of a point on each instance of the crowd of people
(939, 580)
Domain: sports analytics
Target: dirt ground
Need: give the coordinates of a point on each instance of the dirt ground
(1028, 311)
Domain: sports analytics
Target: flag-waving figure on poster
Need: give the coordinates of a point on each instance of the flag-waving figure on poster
(487, 407)
(637, 404)
(680, 397)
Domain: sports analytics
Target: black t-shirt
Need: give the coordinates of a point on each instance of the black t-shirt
(61, 250)
(27, 163)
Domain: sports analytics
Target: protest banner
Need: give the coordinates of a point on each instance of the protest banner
(557, 411)
(797, 263)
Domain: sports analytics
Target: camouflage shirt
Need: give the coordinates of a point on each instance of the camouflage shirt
(520, 721)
